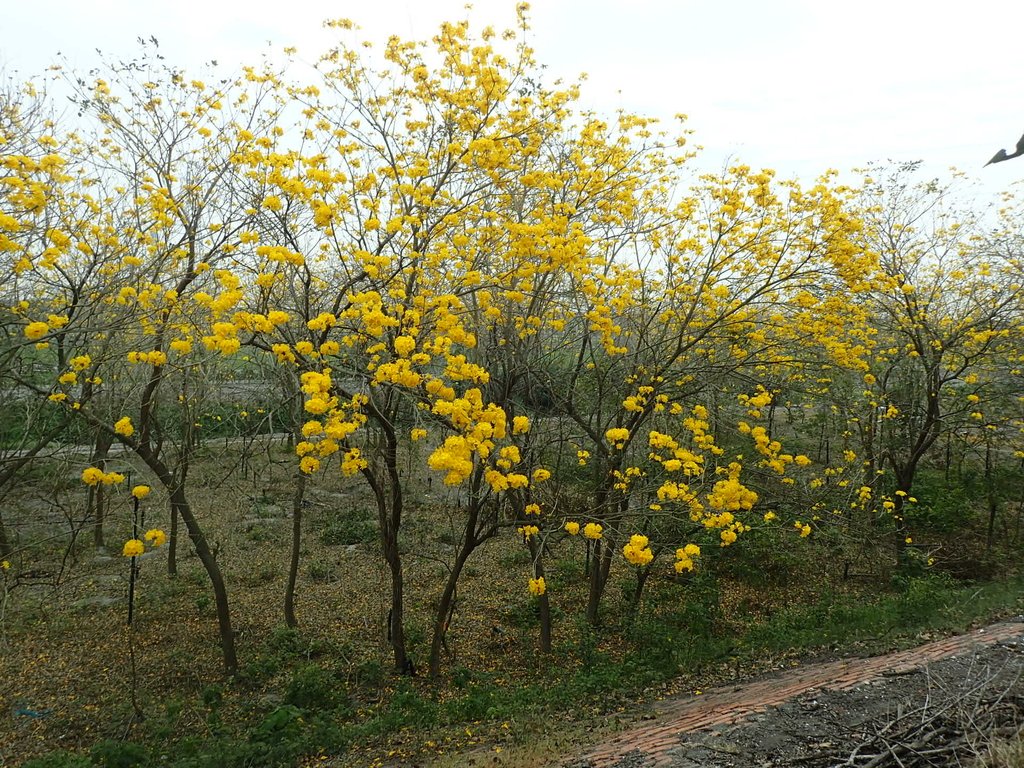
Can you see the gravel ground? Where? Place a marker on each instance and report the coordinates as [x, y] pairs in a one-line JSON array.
[[938, 715]]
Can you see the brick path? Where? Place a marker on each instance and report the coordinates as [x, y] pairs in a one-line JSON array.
[[730, 704]]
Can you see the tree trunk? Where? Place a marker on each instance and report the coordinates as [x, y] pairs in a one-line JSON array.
[[990, 492], [543, 602], [444, 609], [179, 502], [5, 543], [396, 626], [599, 570], [602, 558], [220, 594], [96, 503], [293, 564], [172, 544], [642, 575]]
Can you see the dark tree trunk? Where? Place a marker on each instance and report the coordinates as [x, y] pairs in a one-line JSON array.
[[220, 593], [172, 543], [543, 602], [445, 606], [5, 543], [396, 628], [990, 492], [642, 575], [601, 561], [96, 503], [179, 501], [293, 563]]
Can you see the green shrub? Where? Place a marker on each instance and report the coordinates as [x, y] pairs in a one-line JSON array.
[[119, 754], [347, 531], [321, 569], [408, 708], [314, 689], [370, 673], [59, 759]]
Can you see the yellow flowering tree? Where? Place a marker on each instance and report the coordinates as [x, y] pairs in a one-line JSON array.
[[945, 323], [134, 279], [713, 299], [382, 228]]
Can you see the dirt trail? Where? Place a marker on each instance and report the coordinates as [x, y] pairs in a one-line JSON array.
[[747, 724]]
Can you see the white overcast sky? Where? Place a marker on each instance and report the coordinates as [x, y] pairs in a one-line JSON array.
[[796, 85]]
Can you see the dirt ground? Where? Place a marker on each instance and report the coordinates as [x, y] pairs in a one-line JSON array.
[[940, 714]]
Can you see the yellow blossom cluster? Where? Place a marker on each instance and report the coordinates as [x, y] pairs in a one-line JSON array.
[[35, 331], [96, 476], [617, 437], [638, 550], [154, 357], [526, 531], [135, 547], [685, 557], [679, 459]]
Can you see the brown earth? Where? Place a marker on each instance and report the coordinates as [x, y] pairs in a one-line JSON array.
[[845, 712]]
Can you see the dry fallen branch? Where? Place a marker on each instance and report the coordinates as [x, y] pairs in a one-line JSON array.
[[957, 721]]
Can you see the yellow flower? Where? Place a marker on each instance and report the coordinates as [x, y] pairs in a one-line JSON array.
[[124, 427], [529, 530], [141, 491], [572, 527], [155, 537], [5, 565], [36, 330], [540, 475], [593, 530], [617, 436], [520, 424], [81, 362], [537, 586], [404, 345], [309, 464], [637, 551], [133, 548], [684, 564], [532, 509], [92, 475], [417, 434]]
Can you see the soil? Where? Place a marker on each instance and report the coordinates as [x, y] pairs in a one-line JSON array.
[[913, 708]]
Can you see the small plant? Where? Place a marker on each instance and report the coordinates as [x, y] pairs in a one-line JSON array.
[[321, 570], [370, 674], [59, 759], [315, 689], [347, 531], [119, 754]]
